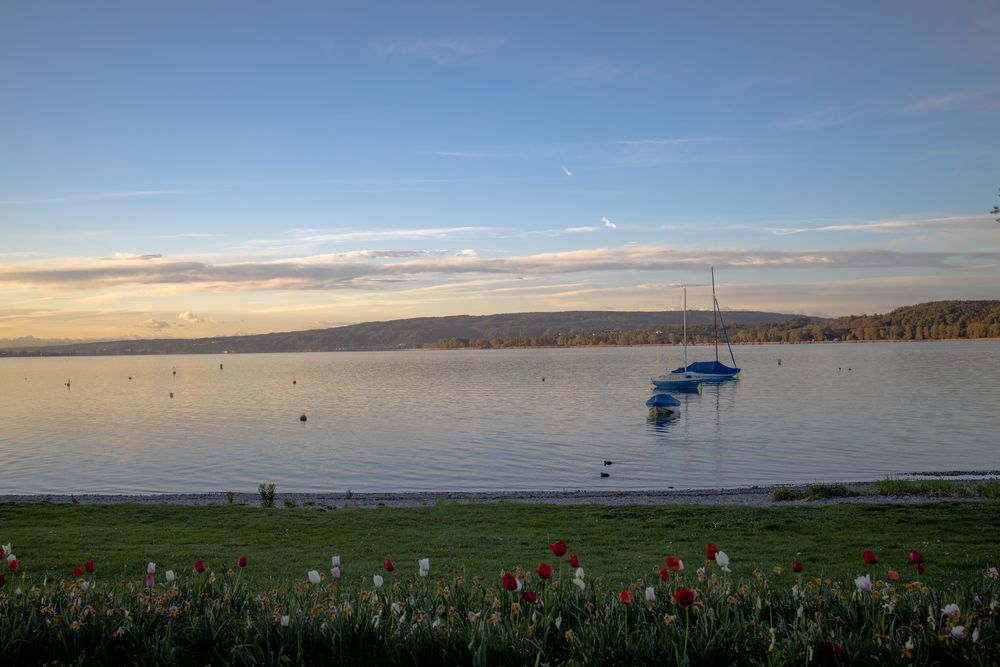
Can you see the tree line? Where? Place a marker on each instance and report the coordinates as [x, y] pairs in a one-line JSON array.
[[939, 320]]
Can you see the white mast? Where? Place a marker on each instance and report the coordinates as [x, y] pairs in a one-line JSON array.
[[685, 328]]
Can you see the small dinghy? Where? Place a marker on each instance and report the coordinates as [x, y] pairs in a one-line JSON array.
[[662, 406]]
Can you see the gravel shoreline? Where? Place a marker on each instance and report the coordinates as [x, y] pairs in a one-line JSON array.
[[754, 496]]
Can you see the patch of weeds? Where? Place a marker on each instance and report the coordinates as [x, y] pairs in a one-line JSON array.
[[990, 490], [934, 488], [783, 495], [812, 492], [309, 503], [267, 492], [230, 497], [349, 494], [290, 504]]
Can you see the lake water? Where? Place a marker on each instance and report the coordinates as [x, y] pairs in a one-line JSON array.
[[486, 420]]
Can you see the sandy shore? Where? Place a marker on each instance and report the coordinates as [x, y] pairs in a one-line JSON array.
[[755, 496]]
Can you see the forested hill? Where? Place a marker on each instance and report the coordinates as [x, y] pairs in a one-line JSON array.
[[927, 321], [520, 329]]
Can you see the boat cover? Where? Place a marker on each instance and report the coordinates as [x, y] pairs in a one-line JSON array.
[[662, 401], [711, 367]]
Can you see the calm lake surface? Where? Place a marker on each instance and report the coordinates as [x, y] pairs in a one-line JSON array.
[[485, 420]]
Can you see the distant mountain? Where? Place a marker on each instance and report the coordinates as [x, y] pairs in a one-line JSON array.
[[415, 332]]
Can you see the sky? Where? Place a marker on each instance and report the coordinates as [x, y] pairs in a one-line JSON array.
[[188, 169]]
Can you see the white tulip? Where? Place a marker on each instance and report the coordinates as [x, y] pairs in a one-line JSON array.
[[579, 573], [579, 584], [864, 583], [284, 621], [951, 609], [335, 572], [425, 566], [170, 575], [958, 632], [313, 577], [650, 594], [151, 568], [335, 561], [378, 581], [723, 560]]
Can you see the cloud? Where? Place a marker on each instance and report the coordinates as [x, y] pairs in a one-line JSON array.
[[190, 318], [154, 324], [132, 256], [332, 273], [566, 171], [442, 51], [948, 101], [100, 196], [812, 120], [608, 223], [887, 225], [580, 230]]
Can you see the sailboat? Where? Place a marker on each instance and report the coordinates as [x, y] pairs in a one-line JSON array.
[[713, 370], [681, 379]]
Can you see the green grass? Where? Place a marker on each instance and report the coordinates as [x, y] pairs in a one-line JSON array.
[[617, 543], [935, 488]]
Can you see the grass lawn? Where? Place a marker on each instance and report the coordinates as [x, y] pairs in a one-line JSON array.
[[621, 544]]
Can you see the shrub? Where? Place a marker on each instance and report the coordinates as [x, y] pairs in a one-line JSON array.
[[267, 492]]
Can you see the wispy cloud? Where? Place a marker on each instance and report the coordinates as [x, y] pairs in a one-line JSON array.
[[608, 223], [949, 101], [100, 196], [310, 273], [821, 118], [887, 225], [443, 51]]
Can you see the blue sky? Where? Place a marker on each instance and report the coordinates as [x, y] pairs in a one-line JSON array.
[[189, 169]]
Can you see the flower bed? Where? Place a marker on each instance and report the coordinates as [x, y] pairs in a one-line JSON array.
[[555, 613]]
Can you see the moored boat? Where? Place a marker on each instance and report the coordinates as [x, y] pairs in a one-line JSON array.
[[662, 406]]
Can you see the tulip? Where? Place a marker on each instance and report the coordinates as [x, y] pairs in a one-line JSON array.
[[84, 585], [579, 574], [284, 621], [664, 574], [674, 563], [11, 557], [700, 573], [992, 572], [579, 583], [544, 570], [170, 575], [151, 568], [12, 565], [77, 571], [797, 566], [650, 594], [6, 549], [916, 557], [89, 566], [313, 577], [335, 572], [893, 574], [710, 551], [574, 561], [387, 565], [869, 557], [150, 581], [723, 560], [558, 548], [335, 561], [920, 568], [425, 566], [199, 566], [951, 610], [519, 583], [529, 596], [958, 632], [242, 562], [625, 597], [377, 580], [864, 583], [684, 596], [508, 582]]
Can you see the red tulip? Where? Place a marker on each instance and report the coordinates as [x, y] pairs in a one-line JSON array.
[[508, 582], [916, 557], [797, 566], [574, 560], [12, 565], [870, 557], [529, 596], [89, 566], [674, 563], [625, 597], [2, 552], [920, 568], [893, 574], [199, 566], [710, 551], [558, 548], [388, 566], [684, 596], [544, 570], [242, 562], [78, 571], [664, 574]]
